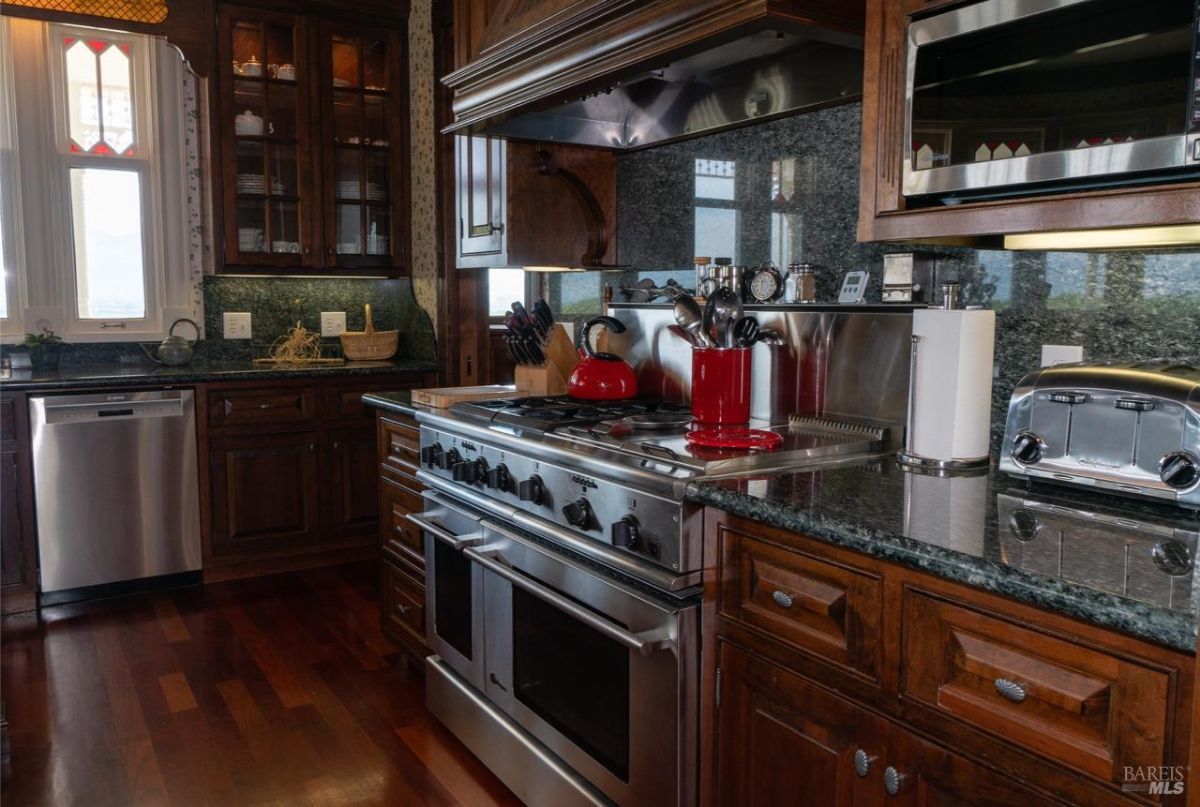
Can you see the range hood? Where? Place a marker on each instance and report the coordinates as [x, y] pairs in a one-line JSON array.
[[624, 75]]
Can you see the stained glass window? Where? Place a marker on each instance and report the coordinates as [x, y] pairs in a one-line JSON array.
[[99, 96]]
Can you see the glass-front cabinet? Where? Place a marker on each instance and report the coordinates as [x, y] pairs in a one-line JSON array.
[[312, 126]]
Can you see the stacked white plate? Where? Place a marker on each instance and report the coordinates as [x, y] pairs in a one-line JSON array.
[[256, 184], [350, 190]]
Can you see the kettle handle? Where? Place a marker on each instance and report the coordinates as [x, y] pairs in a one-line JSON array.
[[150, 355], [614, 325], [171, 330]]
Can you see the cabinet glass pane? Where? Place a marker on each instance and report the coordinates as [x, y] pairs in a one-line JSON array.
[[285, 227], [375, 120], [249, 177], [346, 168], [248, 105], [344, 53], [375, 64], [378, 232], [280, 48], [347, 117], [248, 48], [377, 176], [283, 170], [251, 226], [348, 223], [281, 122]]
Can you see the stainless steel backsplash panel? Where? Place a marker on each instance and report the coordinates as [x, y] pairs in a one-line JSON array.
[[836, 362]]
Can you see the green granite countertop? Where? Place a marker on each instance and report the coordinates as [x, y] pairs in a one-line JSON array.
[[1111, 561], [72, 377]]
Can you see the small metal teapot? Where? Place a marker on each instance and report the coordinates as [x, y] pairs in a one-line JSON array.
[[174, 350]]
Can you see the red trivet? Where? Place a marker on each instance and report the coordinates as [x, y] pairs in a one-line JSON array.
[[735, 438]]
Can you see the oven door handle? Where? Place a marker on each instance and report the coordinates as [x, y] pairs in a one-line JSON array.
[[459, 542], [643, 643]]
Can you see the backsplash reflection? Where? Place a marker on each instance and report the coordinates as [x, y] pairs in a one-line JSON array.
[[788, 191]]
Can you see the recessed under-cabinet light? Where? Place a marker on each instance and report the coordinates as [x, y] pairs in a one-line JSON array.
[[1174, 235]]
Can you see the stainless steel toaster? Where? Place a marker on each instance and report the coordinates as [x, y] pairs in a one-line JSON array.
[[1132, 428]]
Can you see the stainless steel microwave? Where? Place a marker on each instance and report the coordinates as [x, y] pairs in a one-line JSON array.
[[1009, 97]]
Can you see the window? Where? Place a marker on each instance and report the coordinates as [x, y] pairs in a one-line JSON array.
[[100, 129], [504, 287]]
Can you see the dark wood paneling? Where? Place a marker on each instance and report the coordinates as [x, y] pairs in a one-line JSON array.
[[353, 510], [252, 405], [402, 608], [264, 493], [18, 534], [397, 534]]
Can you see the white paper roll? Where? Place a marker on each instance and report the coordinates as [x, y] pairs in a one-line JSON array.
[[951, 395]]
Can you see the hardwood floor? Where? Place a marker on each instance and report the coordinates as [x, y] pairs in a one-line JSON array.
[[276, 690]]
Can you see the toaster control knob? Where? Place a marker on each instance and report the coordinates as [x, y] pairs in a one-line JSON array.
[[627, 533], [431, 454], [1179, 469], [448, 459], [578, 514], [497, 478], [531, 490], [1026, 448]]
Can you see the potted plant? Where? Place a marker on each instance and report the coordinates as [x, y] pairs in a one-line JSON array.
[[44, 349]]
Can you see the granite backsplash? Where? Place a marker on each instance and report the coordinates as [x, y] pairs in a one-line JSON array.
[[275, 304], [787, 191]]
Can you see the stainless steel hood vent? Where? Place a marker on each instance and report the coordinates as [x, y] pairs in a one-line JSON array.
[[625, 75], [767, 74]]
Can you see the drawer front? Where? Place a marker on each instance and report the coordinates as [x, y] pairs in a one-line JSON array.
[[397, 533], [1076, 704], [399, 445], [234, 407], [402, 607], [345, 401], [825, 609]]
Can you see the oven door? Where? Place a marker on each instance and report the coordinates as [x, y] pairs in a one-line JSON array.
[[1048, 94], [602, 673], [453, 585]]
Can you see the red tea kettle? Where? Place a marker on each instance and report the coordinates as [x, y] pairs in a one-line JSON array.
[[601, 376]]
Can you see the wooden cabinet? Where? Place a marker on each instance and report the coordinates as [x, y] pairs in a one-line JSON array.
[[18, 541], [814, 653], [352, 507], [884, 214], [264, 493], [480, 191], [312, 120]]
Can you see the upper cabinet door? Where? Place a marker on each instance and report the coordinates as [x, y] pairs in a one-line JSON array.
[[364, 113], [264, 129], [481, 187]]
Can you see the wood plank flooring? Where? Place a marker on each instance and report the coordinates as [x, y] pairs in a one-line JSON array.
[[277, 690]]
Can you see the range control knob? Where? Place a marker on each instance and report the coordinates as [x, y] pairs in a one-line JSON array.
[[627, 533], [465, 472], [1179, 469], [578, 514], [448, 459], [1026, 448], [531, 490], [431, 454], [481, 469], [498, 478]]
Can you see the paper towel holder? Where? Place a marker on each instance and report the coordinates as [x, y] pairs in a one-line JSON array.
[[907, 456]]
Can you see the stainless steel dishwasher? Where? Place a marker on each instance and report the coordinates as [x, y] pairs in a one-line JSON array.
[[115, 487]]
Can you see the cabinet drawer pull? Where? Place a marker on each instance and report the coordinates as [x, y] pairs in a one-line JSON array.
[[403, 609], [782, 599], [1009, 690], [893, 780], [862, 763]]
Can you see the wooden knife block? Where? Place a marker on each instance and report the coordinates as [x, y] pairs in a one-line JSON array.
[[551, 378]]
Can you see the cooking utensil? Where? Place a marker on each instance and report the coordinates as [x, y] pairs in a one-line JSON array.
[[689, 317], [745, 332], [601, 376], [724, 307], [684, 335]]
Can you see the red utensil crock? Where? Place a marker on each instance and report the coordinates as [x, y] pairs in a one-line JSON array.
[[721, 385]]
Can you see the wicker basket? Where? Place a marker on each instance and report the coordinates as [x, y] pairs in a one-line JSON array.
[[370, 345]]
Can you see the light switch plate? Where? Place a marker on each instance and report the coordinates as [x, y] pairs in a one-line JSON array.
[[236, 325], [1061, 354], [333, 323]]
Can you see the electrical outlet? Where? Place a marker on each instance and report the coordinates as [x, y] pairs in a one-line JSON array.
[[1061, 354], [333, 323], [236, 325]]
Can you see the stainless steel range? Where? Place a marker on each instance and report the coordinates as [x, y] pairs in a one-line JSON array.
[[564, 569]]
